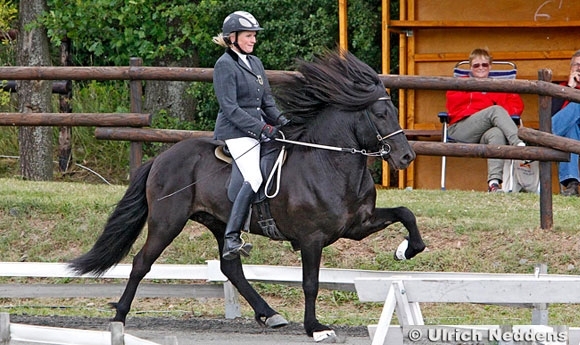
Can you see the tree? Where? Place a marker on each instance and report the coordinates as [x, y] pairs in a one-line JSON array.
[[34, 95], [178, 33]]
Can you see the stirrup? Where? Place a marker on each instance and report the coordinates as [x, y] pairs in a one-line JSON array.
[[244, 249]]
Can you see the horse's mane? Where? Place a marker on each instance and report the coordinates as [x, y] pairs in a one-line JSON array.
[[334, 78]]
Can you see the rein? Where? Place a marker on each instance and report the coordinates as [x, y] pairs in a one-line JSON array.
[[384, 151], [345, 149]]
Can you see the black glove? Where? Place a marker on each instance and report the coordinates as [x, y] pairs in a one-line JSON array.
[[283, 121], [270, 132]]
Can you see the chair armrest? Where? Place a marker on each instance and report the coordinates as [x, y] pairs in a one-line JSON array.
[[443, 117]]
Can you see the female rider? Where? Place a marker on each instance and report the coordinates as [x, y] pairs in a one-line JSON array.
[[247, 115]]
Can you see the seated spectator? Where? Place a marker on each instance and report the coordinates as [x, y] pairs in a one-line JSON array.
[[565, 123], [484, 117]]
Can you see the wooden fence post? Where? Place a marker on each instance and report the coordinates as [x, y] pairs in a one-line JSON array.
[[65, 132], [136, 155], [545, 109]]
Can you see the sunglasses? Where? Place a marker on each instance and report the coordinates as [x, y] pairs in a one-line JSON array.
[[477, 65]]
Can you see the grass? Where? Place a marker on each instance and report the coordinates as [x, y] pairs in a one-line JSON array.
[[464, 231]]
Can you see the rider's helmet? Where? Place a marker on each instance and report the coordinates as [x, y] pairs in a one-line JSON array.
[[240, 21]]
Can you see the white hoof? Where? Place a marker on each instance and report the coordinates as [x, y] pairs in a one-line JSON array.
[[325, 336], [401, 249]]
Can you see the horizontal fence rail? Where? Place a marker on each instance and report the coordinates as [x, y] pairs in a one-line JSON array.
[[206, 75], [75, 119], [148, 134], [429, 148]]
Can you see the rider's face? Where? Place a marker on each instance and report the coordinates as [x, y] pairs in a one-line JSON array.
[[246, 40]]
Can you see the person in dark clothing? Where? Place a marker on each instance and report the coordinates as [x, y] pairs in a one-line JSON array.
[[247, 116]]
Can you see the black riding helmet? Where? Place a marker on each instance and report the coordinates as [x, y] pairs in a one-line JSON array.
[[239, 21]]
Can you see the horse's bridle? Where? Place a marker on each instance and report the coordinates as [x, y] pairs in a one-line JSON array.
[[383, 152], [385, 148]]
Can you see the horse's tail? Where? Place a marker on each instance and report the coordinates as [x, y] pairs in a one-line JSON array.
[[121, 231]]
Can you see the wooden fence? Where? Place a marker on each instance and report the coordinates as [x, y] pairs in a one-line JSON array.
[[137, 73]]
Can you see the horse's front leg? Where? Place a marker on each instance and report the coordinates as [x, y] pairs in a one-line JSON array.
[[383, 217], [311, 256]]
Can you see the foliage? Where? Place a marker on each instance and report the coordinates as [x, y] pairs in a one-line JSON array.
[[152, 30], [8, 14], [160, 31]]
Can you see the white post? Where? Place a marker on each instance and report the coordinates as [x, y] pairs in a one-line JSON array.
[[170, 340], [117, 333], [4, 328], [540, 310], [232, 301], [386, 317]]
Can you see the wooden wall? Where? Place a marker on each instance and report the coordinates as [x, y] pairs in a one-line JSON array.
[[434, 35]]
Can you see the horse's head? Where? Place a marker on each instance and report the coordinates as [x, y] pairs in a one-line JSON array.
[[338, 83], [381, 132]]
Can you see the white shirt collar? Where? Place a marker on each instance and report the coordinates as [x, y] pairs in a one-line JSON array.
[[244, 58]]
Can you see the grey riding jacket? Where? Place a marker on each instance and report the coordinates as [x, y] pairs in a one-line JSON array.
[[244, 96]]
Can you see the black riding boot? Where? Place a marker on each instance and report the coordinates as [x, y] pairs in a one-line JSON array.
[[233, 244]]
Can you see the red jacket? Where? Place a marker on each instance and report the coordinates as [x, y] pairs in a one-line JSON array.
[[558, 103], [461, 104]]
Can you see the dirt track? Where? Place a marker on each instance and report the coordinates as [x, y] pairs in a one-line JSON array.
[[200, 330]]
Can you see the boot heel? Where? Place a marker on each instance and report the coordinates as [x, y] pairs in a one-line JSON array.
[[245, 249]]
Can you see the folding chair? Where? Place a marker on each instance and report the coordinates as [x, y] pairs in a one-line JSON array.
[[509, 71]]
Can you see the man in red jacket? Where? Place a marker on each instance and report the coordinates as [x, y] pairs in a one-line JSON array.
[[484, 117]]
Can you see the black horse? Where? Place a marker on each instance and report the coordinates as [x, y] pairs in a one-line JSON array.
[[326, 192]]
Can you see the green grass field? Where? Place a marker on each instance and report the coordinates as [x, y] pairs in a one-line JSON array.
[[464, 232]]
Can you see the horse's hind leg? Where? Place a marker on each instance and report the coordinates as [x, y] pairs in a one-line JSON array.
[[159, 236], [263, 313], [232, 269]]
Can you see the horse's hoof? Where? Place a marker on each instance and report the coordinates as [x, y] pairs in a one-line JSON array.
[[327, 337], [401, 249], [275, 321]]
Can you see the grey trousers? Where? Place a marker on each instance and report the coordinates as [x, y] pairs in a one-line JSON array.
[[491, 125]]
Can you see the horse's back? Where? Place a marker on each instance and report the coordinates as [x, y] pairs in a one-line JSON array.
[[186, 172]]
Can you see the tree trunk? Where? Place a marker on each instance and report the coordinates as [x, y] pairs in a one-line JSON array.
[[34, 95], [171, 96]]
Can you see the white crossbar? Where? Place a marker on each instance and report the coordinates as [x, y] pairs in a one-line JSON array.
[[403, 294], [509, 290]]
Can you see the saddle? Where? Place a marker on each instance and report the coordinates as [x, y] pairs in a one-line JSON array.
[[269, 153]]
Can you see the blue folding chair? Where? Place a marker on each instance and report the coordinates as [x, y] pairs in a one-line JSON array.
[[460, 70]]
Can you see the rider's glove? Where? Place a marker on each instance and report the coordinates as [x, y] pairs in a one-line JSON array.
[[270, 132]]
